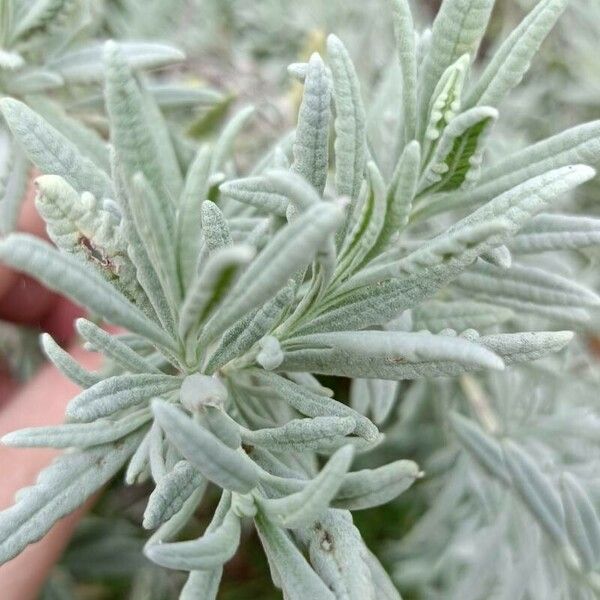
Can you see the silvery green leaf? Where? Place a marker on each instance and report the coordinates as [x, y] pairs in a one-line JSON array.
[[130, 130], [61, 272], [556, 232], [527, 346], [386, 355], [535, 490], [60, 489], [382, 584], [319, 434], [456, 161], [85, 65], [350, 121], [377, 396], [583, 523], [163, 139], [259, 192], [528, 285], [239, 338], [34, 81], [436, 315], [137, 469], [154, 222], [189, 222], [14, 173], [206, 553], [300, 195], [367, 228], [576, 145], [293, 573], [404, 34], [215, 229], [311, 146], [291, 248], [224, 145], [78, 435], [222, 425], [66, 364], [209, 289], [87, 140], [202, 584], [336, 549], [52, 152], [512, 60], [306, 506], [373, 487], [113, 348], [39, 15], [457, 30], [400, 196], [215, 460], [118, 392], [313, 404], [482, 447]]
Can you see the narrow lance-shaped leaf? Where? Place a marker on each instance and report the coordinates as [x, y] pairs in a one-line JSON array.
[[404, 34], [385, 355], [526, 346], [119, 392], [66, 364], [85, 64], [154, 224], [129, 128], [295, 575], [60, 489], [311, 147], [373, 487], [67, 275], [556, 232], [312, 404], [53, 153], [457, 30], [290, 249], [536, 491], [350, 121], [228, 468], [512, 60], [207, 552], [319, 434], [224, 145], [305, 507], [215, 229], [78, 435], [400, 195], [582, 520], [113, 348], [189, 223]]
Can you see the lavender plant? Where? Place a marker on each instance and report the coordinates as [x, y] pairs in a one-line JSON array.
[[236, 293]]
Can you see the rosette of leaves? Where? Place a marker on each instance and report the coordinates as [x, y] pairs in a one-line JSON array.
[[47, 46], [235, 293]]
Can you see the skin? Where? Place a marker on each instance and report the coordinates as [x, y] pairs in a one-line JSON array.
[[41, 401]]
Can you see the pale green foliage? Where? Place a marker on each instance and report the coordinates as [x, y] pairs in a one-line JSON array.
[[237, 291]]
